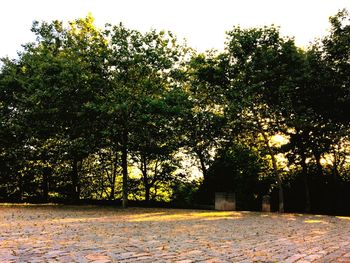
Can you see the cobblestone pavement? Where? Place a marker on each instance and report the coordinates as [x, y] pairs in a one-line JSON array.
[[93, 234]]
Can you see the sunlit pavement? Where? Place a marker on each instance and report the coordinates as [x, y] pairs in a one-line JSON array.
[[93, 234]]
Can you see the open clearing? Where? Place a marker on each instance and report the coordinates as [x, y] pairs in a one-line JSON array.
[[53, 233]]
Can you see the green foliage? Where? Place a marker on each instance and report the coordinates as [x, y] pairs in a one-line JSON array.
[[184, 193]]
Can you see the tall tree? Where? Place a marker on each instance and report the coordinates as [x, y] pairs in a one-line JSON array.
[[142, 70], [56, 77], [205, 125], [261, 64]]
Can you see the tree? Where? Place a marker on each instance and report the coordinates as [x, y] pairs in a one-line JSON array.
[[205, 124], [53, 82], [261, 64], [154, 148], [12, 133], [142, 70], [335, 50], [315, 109]]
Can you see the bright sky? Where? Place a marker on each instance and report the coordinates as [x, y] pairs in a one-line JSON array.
[[202, 22]]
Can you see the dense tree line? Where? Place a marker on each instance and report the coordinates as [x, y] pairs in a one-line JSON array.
[[115, 114]]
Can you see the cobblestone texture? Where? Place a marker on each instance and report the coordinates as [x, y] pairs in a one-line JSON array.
[[101, 235]]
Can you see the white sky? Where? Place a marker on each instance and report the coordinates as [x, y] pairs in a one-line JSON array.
[[202, 22]]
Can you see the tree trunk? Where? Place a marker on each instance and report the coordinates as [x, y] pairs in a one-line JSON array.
[[111, 196], [75, 180], [114, 175], [147, 193], [45, 184], [202, 162], [336, 186], [318, 163], [145, 179], [306, 184], [274, 164], [125, 169], [20, 187], [275, 170], [279, 183]]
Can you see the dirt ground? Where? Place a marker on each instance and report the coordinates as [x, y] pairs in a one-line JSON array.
[[54, 233]]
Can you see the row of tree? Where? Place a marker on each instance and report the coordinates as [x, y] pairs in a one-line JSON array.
[[114, 113]]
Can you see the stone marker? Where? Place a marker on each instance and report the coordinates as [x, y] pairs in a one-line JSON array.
[[266, 207], [225, 201]]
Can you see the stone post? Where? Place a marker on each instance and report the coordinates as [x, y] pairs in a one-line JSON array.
[[225, 201], [266, 207]]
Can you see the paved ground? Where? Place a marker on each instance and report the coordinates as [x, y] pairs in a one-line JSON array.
[[92, 234]]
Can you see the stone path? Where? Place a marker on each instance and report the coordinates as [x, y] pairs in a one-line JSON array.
[[92, 234]]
